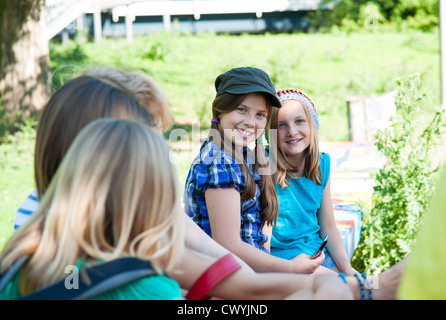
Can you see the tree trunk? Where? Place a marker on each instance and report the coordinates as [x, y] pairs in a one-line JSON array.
[[24, 56]]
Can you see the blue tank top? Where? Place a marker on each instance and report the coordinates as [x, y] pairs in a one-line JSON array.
[[297, 228]]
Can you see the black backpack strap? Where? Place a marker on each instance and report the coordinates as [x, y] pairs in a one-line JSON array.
[[10, 273], [103, 277]]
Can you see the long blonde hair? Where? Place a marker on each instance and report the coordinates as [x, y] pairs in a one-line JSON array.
[[284, 169], [141, 87], [114, 194]]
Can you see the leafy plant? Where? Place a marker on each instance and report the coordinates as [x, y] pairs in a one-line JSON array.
[[15, 123], [353, 15], [6, 122], [404, 186], [157, 51]]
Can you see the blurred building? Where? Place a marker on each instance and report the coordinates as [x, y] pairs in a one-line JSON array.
[[124, 18]]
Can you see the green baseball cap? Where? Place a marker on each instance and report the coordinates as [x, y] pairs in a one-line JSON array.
[[246, 80]]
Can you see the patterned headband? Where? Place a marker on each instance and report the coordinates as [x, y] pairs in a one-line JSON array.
[[296, 94]]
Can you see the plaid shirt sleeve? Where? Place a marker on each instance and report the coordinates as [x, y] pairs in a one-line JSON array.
[[220, 175], [218, 169], [213, 168]]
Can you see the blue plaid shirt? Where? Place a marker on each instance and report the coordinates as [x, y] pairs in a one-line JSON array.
[[217, 168]]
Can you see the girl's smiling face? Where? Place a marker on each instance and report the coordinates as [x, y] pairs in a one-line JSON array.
[[247, 122], [294, 129]]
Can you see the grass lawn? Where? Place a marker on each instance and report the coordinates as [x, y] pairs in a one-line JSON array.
[[329, 67], [16, 180]]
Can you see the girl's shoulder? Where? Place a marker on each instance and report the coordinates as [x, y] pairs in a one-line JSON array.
[[212, 154], [215, 167], [324, 159], [154, 287], [150, 287]]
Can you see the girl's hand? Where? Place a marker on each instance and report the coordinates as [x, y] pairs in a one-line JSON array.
[[303, 264]]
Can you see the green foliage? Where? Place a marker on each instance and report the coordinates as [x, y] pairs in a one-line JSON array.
[[156, 51], [404, 186], [352, 15], [6, 122], [329, 67], [16, 174], [11, 123], [65, 60]]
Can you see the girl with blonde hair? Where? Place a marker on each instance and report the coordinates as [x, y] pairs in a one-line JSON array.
[[115, 194], [142, 88], [303, 186]]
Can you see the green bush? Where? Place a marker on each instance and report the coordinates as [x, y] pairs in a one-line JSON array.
[[5, 123], [65, 59], [352, 15], [329, 67], [13, 123], [404, 186]]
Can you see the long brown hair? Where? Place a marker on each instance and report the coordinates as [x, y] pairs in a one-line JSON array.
[[269, 204], [311, 168], [72, 107]]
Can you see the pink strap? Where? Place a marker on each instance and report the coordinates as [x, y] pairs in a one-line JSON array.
[[221, 269]]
